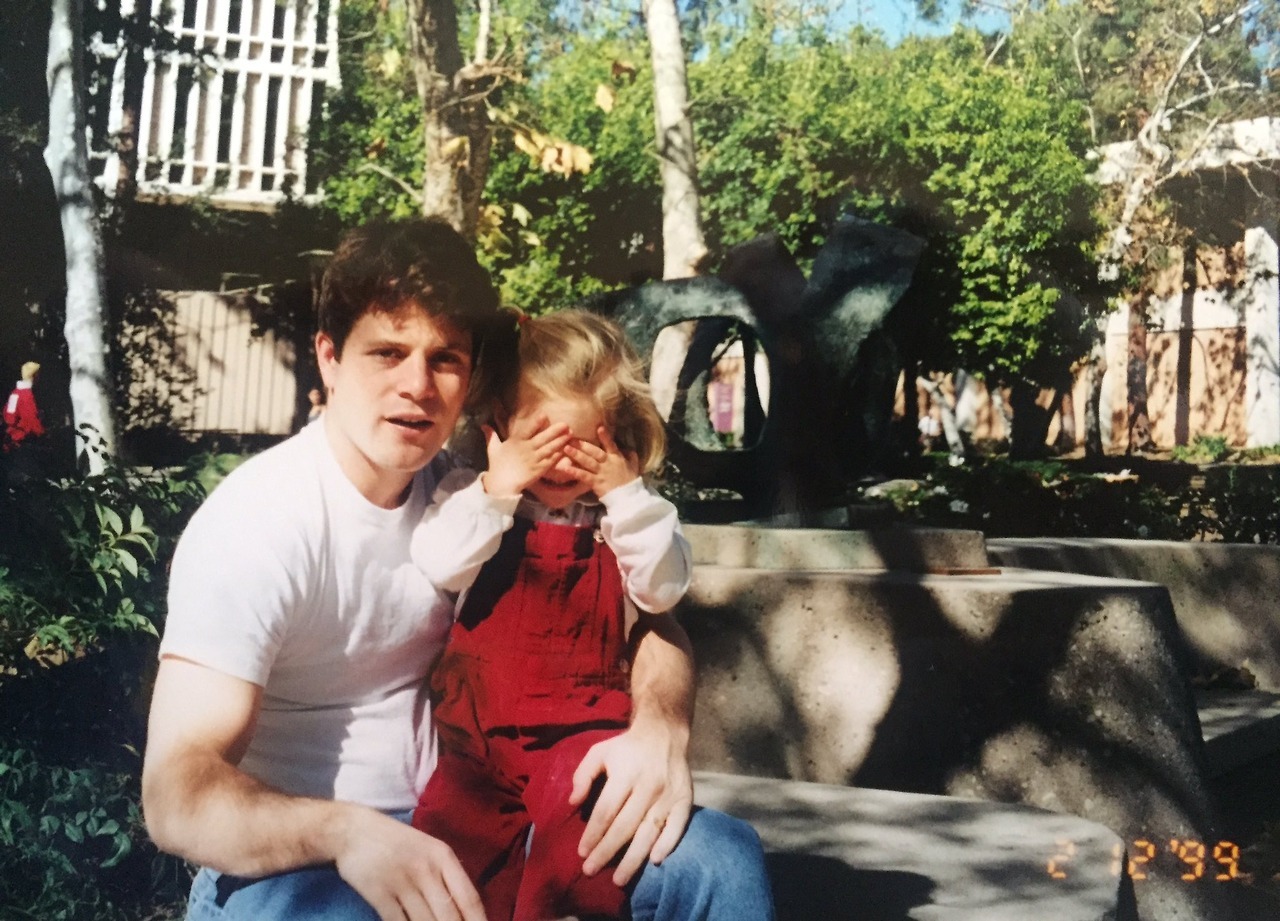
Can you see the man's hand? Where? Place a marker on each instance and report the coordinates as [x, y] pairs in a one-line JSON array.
[[531, 448], [603, 468], [404, 874], [646, 798], [201, 806]]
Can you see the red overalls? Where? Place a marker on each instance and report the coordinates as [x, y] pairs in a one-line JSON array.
[[534, 674]]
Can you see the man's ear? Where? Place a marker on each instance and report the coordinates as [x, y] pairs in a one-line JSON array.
[[326, 358]]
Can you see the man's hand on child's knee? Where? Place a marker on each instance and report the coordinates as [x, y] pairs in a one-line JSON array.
[[643, 807]]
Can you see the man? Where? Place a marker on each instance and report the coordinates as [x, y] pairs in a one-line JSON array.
[[289, 730]]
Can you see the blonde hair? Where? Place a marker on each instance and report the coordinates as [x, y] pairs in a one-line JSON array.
[[29, 370], [575, 353]]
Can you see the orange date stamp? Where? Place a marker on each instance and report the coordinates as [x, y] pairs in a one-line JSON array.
[[1185, 858]]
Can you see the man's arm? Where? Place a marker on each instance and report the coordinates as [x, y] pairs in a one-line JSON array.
[[200, 806], [648, 794]]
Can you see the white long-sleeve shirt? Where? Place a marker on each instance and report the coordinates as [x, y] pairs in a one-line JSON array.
[[640, 527]]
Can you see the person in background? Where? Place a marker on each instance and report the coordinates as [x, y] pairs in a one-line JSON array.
[[316, 397], [21, 415]]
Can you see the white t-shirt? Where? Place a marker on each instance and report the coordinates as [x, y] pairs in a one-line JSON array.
[[289, 578]]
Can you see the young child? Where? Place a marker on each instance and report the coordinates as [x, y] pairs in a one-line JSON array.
[[535, 670]]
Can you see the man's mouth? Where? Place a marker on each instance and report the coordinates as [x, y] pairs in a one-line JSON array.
[[417, 425]]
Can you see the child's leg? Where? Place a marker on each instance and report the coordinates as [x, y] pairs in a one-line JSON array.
[[553, 884], [485, 823]]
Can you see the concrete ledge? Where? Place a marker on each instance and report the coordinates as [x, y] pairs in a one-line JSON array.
[[1239, 727], [1223, 594], [1053, 690], [838, 853], [900, 549]]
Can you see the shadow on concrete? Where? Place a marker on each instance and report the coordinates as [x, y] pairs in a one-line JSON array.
[[1070, 698], [807, 887]]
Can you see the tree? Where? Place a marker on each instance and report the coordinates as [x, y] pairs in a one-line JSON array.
[[382, 151], [67, 158], [682, 244], [980, 160], [456, 131], [1162, 76]]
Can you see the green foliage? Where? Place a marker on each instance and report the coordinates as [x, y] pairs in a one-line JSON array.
[[70, 842], [1240, 504], [983, 162], [560, 238], [1036, 499], [1204, 449], [1123, 57], [1163, 500], [368, 149], [82, 561]]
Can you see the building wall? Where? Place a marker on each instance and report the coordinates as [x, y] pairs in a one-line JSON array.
[[223, 375], [1213, 354]]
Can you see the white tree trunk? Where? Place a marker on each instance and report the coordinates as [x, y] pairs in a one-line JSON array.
[[67, 157], [682, 244]]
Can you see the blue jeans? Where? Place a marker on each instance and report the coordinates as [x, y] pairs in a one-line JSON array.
[[716, 873]]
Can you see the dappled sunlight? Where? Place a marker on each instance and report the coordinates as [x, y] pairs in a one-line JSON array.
[[989, 859], [1052, 690]]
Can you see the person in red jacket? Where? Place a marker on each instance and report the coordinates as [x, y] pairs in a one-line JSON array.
[[21, 416]]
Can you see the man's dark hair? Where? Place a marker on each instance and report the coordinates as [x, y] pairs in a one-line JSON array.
[[384, 265]]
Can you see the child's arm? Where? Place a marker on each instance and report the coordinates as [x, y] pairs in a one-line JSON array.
[[640, 526], [468, 514], [460, 530], [643, 531]]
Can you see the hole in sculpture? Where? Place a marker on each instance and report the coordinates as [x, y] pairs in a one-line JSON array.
[[710, 380]]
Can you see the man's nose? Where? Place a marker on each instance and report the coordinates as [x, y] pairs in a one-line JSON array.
[[418, 381]]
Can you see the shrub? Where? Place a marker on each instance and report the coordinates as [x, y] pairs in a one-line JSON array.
[[82, 560], [1228, 502], [72, 845], [1039, 499], [1205, 449], [1239, 504]]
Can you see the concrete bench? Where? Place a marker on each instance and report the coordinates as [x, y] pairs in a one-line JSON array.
[[1223, 594], [838, 853], [1047, 689], [1223, 597]]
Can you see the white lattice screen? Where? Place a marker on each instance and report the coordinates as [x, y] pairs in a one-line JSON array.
[[231, 122]]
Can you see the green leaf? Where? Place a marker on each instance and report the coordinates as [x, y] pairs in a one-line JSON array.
[[123, 848], [112, 520], [127, 560]]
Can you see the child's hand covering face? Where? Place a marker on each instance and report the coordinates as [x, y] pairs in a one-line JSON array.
[[532, 447], [602, 466], [587, 459]]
